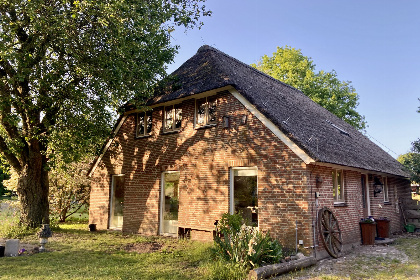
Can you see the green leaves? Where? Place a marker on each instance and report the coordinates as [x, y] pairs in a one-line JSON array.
[[411, 161], [245, 245], [290, 66], [66, 66]]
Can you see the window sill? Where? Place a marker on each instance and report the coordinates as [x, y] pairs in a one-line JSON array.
[[340, 204], [387, 203], [170, 131], [143, 136], [206, 126]]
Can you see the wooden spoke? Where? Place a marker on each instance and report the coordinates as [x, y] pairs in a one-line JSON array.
[[330, 232]]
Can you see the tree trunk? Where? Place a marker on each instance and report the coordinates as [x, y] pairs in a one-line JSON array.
[[33, 189]]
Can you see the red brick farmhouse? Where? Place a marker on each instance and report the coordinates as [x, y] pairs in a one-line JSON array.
[[224, 137]]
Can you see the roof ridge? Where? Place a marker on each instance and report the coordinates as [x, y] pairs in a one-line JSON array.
[[210, 48]]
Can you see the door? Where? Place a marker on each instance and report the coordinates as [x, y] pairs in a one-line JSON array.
[[365, 196], [169, 203], [116, 202], [244, 194]]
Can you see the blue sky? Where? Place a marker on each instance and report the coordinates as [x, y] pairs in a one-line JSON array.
[[374, 44]]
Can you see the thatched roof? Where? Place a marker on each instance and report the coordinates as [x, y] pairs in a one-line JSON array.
[[323, 136]]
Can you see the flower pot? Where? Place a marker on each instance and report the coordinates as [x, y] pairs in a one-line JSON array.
[[368, 231], [410, 228], [382, 227], [92, 227]]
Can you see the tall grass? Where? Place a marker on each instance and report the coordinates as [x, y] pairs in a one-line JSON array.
[[9, 217]]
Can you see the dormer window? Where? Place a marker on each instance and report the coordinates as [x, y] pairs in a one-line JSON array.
[[206, 111], [144, 124], [172, 118]]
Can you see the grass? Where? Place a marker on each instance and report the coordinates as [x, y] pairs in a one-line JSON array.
[[7, 198], [76, 253]]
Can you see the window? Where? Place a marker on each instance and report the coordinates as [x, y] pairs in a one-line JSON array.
[[386, 193], [244, 193], [144, 123], [172, 118], [116, 202], [206, 111], [338, 185], [170, 203]]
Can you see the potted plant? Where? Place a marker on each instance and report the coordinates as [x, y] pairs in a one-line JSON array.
[[368, 229]]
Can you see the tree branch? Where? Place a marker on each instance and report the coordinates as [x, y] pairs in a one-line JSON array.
[[11, 158]]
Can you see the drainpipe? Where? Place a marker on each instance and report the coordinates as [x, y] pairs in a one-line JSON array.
[[314, 222], [296, 237]]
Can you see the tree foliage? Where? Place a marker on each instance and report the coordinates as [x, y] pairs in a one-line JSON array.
[[3, 176], [69, 188], [290, 66], [411, 161], [65, 66]]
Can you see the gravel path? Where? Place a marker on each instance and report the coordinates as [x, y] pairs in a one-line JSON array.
[[359, 258]]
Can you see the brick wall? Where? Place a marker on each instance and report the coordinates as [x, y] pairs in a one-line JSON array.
[[286, 185], [203, 158], [350, 213]]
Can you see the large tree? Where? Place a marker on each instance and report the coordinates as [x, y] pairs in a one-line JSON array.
[[290, 66], [64, 66]]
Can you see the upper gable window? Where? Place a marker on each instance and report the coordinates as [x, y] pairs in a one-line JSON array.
[[172, 118], [338, 186], [206, 111], [144, 124]]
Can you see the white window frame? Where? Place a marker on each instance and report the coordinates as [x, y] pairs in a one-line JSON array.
[[145, 114], [207, 123], [111, 201], [231, 186], [173, 107], [386, 189], [367, 194], [162, 197], [337, 199]]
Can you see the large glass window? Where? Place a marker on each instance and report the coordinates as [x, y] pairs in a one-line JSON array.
[[244, 193], [206, 111], [144, 123], [170, 203], [338, 185], [172, 118], [117, 202]]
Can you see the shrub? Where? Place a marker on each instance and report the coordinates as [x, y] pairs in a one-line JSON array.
[[10, 226], [237, 242]]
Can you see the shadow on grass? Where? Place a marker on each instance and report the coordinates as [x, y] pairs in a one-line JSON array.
[[95, 265], [68, 261]]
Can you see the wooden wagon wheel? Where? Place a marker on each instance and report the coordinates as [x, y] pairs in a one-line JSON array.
[[330, 232]]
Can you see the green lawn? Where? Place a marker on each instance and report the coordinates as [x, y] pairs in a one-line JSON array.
[[76, 253]]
